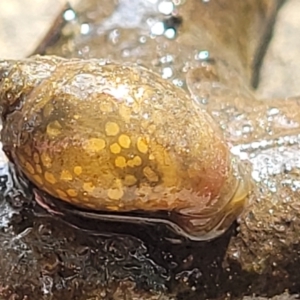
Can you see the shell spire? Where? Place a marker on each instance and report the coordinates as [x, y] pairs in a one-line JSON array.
[[19, 77]]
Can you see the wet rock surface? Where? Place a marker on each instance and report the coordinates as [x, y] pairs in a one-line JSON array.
[[46, 257], [279, 74]]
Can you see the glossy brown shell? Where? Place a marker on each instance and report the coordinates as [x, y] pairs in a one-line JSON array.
[[118, 138]]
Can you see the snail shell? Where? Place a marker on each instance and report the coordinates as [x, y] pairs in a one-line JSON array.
[[117, 138]]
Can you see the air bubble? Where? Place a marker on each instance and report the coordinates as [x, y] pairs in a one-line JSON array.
[[166, 59], [114, 36], [203, 55], [236, 255], [166, 7], [167, 72], [273, 112], [69, 15], [158, 28], [143, 39], [170, 33], [178, 82], [247, 128], [84, 28]]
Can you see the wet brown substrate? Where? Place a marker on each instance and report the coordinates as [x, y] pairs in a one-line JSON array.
[[43, 257]]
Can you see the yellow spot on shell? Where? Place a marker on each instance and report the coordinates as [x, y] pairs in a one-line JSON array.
[[150, 174], [111, 129], [72, 192], [88, 187], [53, 129], [142, 145], [66, 175], [46, 160], [38, 179], [94, 145], [77, 170], [124, 141], [135, 162], [29, 168], [115, 194], [151, 156], [120, 162], [36, 158], [27, 150], [38, 169], [61, 194], [50, 177], [115, 148], [130, 180]]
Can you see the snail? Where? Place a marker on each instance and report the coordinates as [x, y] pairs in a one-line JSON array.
[[122, 141]]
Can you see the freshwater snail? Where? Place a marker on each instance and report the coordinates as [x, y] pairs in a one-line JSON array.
[[59, 261], [119, 139]]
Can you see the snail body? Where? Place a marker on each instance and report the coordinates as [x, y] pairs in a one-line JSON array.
[[119, 139]]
